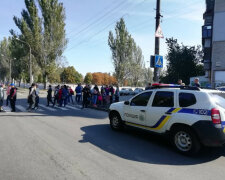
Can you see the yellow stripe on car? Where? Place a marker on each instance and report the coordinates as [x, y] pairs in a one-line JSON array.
[[176, 110], [146, 127], [163, 122]]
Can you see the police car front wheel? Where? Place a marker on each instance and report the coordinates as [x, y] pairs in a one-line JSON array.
[[185, 140], [115, 121]]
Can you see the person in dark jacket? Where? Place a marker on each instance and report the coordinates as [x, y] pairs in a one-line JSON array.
[[78, 91], [117, 94], [31, 96], [37, 90], [49, 96], [86, 95], [149, 86], [12, 96], [65, 95], [196, 83]]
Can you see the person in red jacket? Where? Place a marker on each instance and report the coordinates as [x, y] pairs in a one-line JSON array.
[[12, 96], [60, 96], [71, 93]]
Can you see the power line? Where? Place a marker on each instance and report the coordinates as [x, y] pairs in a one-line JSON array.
[[74, 38], [93, 35], [94, 16], [100, 18], [105, 27]]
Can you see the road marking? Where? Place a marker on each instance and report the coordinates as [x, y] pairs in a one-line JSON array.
[[46, 107], [40, 110], [63, 108], [74, 108], [7, 109], [21, 108]]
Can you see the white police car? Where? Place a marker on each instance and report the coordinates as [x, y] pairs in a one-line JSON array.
[[191, 116]]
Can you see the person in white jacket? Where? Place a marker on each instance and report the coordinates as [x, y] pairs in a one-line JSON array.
[[2, 94]]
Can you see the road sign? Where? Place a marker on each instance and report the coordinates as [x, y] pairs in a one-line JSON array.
[[159, 32], [158, 61]]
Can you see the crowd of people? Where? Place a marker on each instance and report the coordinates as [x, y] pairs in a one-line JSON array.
[[96, 96], [63, 95], [11, 92]]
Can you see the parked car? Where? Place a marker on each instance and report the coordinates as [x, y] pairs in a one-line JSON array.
[[126, 92], [138, 90], [222, 88]]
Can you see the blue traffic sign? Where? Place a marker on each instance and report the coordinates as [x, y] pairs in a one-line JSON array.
[[158, 61]]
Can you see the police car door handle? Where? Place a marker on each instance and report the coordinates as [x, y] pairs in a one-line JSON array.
[[142, 110], [168, 113]]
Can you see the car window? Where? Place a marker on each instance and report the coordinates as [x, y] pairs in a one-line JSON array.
[[218, 98], [163, 99], [187, 99], [141, 100]]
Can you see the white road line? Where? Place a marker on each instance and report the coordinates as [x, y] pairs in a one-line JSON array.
[[46, 107], [7, 109], [21, 108], [74, 108], [63, 108], [40, 110]]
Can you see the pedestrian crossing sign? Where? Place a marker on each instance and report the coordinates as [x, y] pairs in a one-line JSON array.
[[158, 61]]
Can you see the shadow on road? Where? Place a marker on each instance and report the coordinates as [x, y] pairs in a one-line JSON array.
[[143, 147]]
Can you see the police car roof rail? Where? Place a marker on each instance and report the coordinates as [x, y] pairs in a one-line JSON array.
[[177, 87]]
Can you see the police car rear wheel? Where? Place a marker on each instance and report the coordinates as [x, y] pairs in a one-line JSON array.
[[185, 141], [115, 121]]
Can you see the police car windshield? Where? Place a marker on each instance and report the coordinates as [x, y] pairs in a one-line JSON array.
[[219, 99]]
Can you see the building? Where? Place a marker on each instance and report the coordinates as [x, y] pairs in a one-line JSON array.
[[213, 40]]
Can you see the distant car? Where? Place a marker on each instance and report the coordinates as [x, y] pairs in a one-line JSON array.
[[138, 90], [126, 92], [222, 88]]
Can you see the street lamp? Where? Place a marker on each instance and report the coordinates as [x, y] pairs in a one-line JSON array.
[[10, 68], [30, 63]]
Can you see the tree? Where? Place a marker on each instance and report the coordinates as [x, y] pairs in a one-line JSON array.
[[127, 57], [5, 56], [45, 34], [70, 75], [97, 78], [54, 40], [120, 46], [148, 76], [30, 26], [88, 78], [183, 62], [137, 62]]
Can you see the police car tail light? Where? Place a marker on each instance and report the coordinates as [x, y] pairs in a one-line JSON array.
[[215, 114]]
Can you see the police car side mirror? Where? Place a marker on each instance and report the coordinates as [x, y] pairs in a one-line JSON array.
[[127, 103]]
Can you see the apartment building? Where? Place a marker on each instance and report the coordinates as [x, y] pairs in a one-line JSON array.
[[213, 40]]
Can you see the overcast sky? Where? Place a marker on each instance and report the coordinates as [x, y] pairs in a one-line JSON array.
[[89, 21]]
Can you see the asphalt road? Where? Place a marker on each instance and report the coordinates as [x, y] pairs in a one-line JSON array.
[[79, 144]]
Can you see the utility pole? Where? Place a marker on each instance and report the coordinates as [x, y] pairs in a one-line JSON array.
[[157, 39]]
